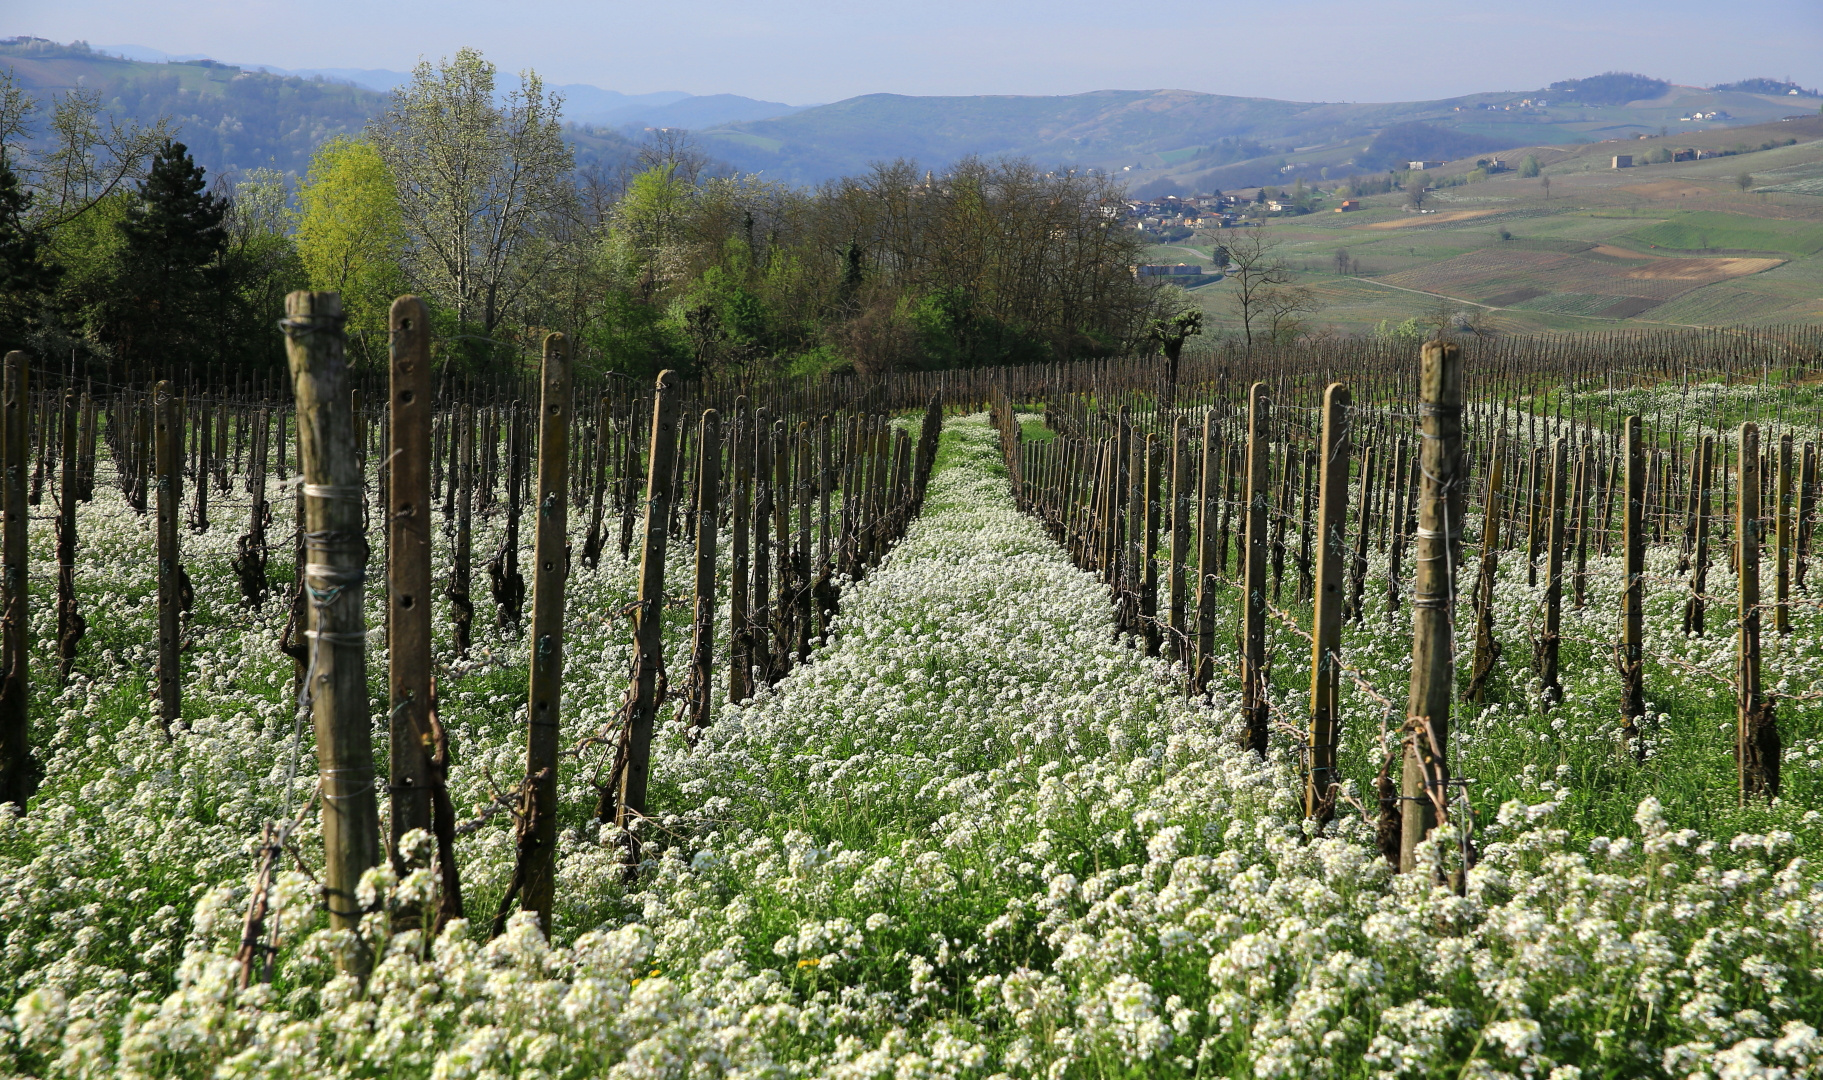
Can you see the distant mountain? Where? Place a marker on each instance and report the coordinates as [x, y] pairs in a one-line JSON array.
[[1171, 139]]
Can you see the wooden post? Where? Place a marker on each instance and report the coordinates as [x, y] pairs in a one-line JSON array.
[[1148, 555], [740, 639], [1326, 616], [462, 605], [1699, 559], [1781, 615], [71, 626], [708, 508], [19, 768], [335, 683], [648, 619], [1548, 651], [1357, 577], [1206, 581], [1807, 502], [1425, 777], [168, 463], [1632, 601], [1487, 647], [537, 823], [1756, 734], [1396, 523], [1255, 705], [1180, 538], [408, 539]]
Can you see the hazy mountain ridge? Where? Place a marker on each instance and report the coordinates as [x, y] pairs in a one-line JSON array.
[[248, 116]]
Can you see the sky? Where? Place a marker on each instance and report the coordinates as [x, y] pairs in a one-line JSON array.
[[813, 51]]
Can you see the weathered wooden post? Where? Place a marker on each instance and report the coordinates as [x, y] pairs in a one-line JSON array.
[[1487, 646], [1699, 559], [408, 537], [648, 619], [168, 463], [71, 626], [1147, 569], [1425, 777], [537, 823], [1326, 616], [1781, 615], [740, 638], [334, 575], [1208, 495], [708, 508], [1255, 704], [19, 768], [1631, 659], [1548, 644], [461, 602], [1757, 744], [1807, 503], [1180, 539]]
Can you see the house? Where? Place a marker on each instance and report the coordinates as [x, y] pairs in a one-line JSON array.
[[1623, 161], [1686, 154], [1421, 166], [1347, 205]]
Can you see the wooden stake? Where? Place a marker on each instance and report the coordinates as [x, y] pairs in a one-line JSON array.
[[1327, 599], [335, 683], [648, 621], [1633, 595], [1255, 706], [19, 768], [1757, 743], [1425, 777], [168, 454], [408, 609]]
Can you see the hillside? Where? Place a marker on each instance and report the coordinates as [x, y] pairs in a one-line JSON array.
[[1175, 136], [1678, 243], [230, 118]]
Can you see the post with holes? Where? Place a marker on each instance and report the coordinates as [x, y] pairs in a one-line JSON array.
[[461, 602], [408, 539], [1208, 496], [333, 575], [708, 507], [71, 626], [537, 824], [1254, 703], [19, 769], [1326, 618], [1424, 783], [1631, 659], [648, 619], [1756, 733], [168, 463]]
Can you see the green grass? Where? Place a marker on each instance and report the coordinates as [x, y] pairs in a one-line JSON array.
[[1707, 229]]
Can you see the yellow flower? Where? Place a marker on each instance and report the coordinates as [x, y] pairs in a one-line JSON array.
[[812, 962]]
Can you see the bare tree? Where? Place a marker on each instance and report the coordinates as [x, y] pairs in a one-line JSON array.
[[479, 183], [1257, 269], [85, 158], [1414, 191]]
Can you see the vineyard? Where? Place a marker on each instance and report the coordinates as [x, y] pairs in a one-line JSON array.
[[1338, 710]]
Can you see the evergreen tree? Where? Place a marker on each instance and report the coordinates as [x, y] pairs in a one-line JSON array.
[[27, 277], [167, 291]]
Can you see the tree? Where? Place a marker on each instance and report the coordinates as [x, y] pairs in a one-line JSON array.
[[1169, 335], [172, 240], [27, 276], [1345, 263], [1256, 268], [1414, 190], [1744, 181], [1545, 183], [1529, 167], [478, 184], [351, 234]]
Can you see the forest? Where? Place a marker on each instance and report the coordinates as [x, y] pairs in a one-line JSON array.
[[122, 255]]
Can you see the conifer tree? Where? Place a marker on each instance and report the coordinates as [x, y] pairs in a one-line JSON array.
[[171, 263]]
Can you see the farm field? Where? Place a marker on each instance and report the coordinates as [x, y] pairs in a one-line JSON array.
[[1690, 209], [993, 824]]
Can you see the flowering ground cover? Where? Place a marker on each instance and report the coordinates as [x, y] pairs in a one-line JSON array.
[[977, 836]]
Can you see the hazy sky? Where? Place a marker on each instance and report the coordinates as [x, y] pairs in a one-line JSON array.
[[824, 50]]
